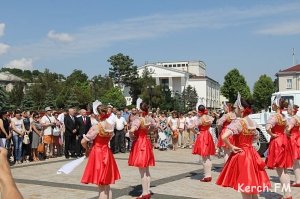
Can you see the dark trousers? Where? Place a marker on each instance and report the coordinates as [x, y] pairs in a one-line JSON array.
[[70, 143], [79, 148], [119, 141]]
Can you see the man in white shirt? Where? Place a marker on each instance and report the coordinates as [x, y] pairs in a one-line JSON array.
[[48, 123], [120, 127]]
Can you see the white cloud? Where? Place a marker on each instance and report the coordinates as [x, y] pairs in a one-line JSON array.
[[61, 37], [2, 28], [24, 64], [3, 48], [286, 28]]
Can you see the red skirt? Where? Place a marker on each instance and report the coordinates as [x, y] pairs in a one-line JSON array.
[[204, 144], [280, 153], [221, 142], [101, 168], [295, 142], [141, 154], [245, 172]]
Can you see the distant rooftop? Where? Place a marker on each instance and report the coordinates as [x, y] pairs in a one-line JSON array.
[[8, 77], [295, 68]]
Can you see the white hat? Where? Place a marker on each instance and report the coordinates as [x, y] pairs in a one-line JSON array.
[[238, 102], [95, 106], [48, 108]]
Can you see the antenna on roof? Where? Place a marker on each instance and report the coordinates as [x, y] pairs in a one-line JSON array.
[[294, 62]]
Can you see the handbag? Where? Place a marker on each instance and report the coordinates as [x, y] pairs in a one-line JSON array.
[[26, 139], [56, 131], [40, 148]]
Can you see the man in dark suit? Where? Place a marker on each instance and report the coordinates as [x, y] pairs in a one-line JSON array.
[[84, 125], [71, 132]]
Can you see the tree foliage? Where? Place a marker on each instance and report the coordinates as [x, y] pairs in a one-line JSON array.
[[16, 95], [190, 98], [4, 106], [234, 82], [115, 97], [122, 69], [262, 92]]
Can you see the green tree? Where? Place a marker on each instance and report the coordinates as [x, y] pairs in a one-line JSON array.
[[234, 82], [16, 95], [27, 102], [4, 105], [100, 85], [50, 99], [190, 98], [143, 86], [262, 92], [115, 97], [122, 69], [168, 102], [71, 100]]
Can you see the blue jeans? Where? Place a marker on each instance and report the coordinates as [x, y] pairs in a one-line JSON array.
[[18, 141]]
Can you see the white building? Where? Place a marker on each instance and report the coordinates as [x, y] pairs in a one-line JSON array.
[[8, 80], [178, 75], [289, 79]]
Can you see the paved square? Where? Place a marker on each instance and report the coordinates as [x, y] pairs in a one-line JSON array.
[[175, 176]]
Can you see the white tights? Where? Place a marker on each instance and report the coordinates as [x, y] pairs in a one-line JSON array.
[[105, 192], [226, 154], [207, 166], [285, 181], [146, 179], [296, 168], [249, 196]]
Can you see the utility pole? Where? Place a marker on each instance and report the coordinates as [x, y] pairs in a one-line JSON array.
[[294, 61]]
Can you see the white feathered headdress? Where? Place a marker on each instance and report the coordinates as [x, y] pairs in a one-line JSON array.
[[138, 103], [276, 100], [238, 102], [95, 105]]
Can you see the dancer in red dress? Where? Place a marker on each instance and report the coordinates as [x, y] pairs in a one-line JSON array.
[[101, 168], [141, 154], [204, 145], [294, 132], [244, 170], [222, 124], [280, 150]]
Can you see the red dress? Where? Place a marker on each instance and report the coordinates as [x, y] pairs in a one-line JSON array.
[[295, 139], [204, 144], [141, 154], [244, 169], [224, 121], [101, 168], [280, 149]]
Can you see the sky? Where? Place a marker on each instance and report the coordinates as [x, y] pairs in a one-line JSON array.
[[257, 37]]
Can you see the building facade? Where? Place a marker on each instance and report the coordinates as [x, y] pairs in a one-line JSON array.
[[289, 79], [8, 80], [178, 75]]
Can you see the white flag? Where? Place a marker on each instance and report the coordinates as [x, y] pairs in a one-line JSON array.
[[70, 166]]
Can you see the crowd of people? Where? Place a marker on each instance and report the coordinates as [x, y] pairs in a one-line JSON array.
[[34, 136]]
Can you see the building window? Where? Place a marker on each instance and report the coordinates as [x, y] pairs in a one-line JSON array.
[[170, 65], [165, 65], [289, 83], [174, 65], [178, 65], [183, 65]]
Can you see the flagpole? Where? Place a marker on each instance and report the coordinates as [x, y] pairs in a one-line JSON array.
[[294, 62]]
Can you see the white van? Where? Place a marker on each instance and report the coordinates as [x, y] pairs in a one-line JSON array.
[[292, 96]]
